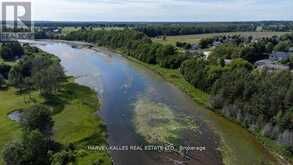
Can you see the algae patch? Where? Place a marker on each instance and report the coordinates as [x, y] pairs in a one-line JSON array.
[[157, 123]]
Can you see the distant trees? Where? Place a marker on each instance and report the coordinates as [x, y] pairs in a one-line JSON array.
[[225, 51], [11, 50], [194, 28], [205, 42], [132, 43], [282, 46], [183, 45]]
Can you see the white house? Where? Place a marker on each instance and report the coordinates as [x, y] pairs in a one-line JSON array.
[[270, 65], [279, 56]]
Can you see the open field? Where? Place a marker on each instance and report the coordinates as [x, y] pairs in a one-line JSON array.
[[196, 38], [69, 29]]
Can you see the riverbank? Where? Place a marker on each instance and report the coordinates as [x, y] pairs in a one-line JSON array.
[[75, 119], [200, 97], [76, 123], [238, 146]]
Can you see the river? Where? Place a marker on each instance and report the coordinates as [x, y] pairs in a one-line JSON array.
[[140, 108]]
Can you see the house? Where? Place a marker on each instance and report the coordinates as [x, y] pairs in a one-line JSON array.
[[194, 47], [227, 61], [56, 30], [291, 49], [263, 62], [217, 43], [270, 65], [279, 56]]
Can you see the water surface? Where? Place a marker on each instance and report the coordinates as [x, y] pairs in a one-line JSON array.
[[122, 84]]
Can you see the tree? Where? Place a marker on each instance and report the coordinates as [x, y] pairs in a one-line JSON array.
[[2, 81], [63, 158], [6, 53], [205, 42], [11, 50], [4, 70], [32, 150], [14, 153], [15, 77], [226, 51], [47, 79], [37, 118], [253, 53], [282, 46]]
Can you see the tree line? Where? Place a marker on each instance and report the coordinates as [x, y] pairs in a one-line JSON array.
[[259, 100], [154, 30], [132, 43]]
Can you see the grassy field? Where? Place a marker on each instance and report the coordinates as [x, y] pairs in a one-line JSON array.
[[75, 119], [69, 29], [196, 38]]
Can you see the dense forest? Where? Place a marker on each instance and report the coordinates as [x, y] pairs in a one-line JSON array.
[[260, 100], [43, 29], [177, 29], [132, 43], [216, 27]]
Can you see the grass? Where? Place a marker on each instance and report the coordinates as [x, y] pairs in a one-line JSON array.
[[75, 119], [9, 102], [11, 63], [196, 38], [69, 29]]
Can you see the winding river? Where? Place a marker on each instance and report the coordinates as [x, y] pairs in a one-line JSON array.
[[127, 90]]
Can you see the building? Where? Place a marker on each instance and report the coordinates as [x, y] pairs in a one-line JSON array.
[[279, 56], [194, 47], [291, 49], [217, 43], [227, 61], [270, 65]]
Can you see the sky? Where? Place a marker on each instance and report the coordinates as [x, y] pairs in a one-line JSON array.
[[161, 10]]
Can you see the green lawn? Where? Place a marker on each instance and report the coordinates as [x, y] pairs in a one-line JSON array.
[[75, 119], [196, 38], [9, 102], [69, 29]]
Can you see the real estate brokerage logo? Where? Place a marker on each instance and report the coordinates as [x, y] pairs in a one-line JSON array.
[[16, 23]]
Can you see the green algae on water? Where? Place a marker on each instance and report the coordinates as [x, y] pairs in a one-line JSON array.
[[157, 123]]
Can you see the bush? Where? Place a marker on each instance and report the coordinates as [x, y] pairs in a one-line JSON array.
[[37, 118]]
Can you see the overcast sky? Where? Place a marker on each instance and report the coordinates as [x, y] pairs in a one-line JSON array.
[[162, 10]]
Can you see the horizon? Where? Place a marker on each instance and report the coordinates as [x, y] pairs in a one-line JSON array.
[[161, 10]]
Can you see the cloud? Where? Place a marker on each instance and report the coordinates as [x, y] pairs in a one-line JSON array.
[[162, 10]]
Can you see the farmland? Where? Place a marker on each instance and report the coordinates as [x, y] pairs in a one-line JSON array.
[[196, 38]]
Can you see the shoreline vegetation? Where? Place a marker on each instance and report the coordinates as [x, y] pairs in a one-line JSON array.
[[72, 125], [200, 97]]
